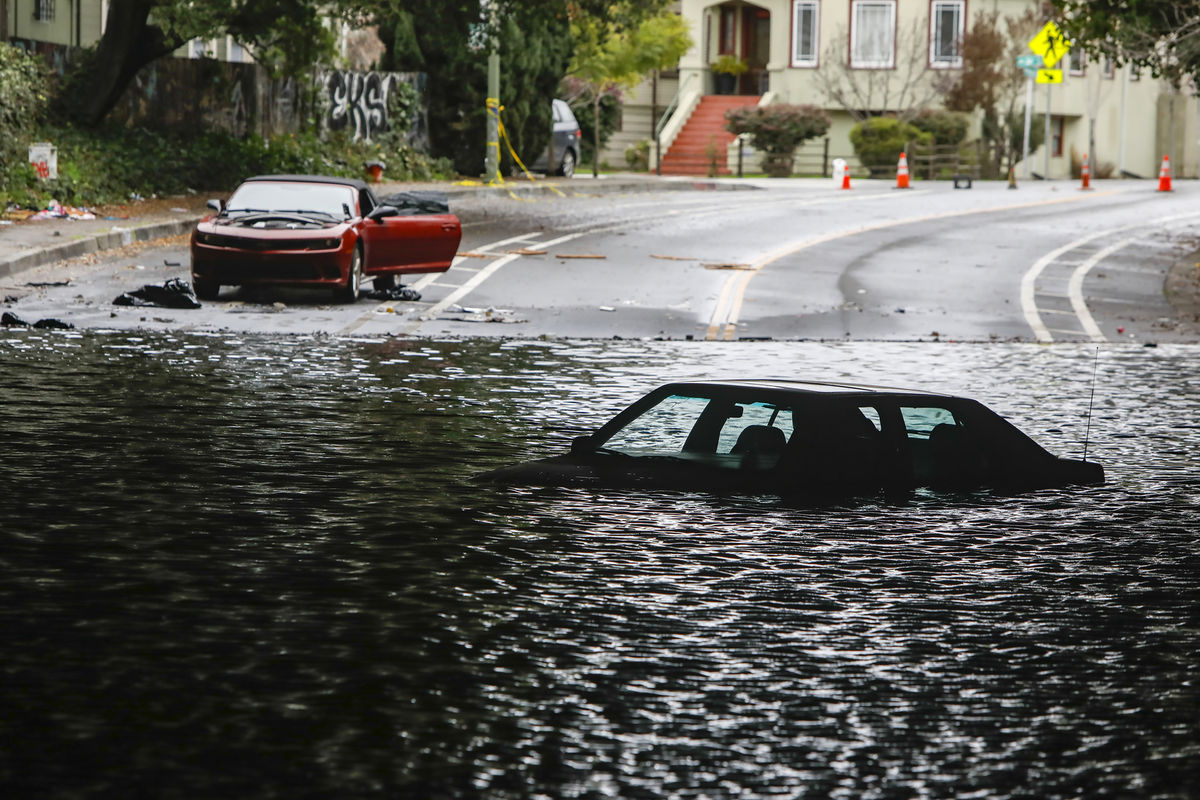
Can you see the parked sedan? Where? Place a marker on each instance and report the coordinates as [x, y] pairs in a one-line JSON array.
[[562, 154], [789, 437], [319, 231]]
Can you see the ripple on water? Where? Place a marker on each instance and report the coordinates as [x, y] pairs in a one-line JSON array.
[[258, 566]]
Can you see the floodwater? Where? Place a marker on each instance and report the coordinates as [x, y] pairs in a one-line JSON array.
[[259, 567]]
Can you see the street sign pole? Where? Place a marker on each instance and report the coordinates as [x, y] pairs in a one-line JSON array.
[[1046, 144], [1028, 123]]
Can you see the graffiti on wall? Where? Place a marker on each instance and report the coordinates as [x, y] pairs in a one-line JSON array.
[[358, 101]]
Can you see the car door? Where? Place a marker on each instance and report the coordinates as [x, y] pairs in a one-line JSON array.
[[411, 243]]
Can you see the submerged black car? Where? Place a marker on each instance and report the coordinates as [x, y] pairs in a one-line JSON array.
[[790, 437]]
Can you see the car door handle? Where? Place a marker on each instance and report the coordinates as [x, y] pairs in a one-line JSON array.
[[448, 226]]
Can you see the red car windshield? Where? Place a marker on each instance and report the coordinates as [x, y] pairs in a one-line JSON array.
[[289, 196]]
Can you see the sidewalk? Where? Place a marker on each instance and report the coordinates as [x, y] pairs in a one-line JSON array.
[[26, 245]]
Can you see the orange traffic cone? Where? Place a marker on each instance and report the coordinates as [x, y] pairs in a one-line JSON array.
[[1085, 172], [846, 178], [902, 172], [1164, 176]]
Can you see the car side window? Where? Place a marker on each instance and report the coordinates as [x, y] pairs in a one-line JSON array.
[[660, 430], [919, 421], [763, 415]]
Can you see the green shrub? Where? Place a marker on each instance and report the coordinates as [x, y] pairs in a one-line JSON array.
[[777, 129], [948, 128], [109, 164], [22, 105], [879, 141]]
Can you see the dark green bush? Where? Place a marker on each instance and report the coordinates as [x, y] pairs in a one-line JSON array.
[[108, 165], [948, 128], [777, 129], [22, 105], [879, 141]]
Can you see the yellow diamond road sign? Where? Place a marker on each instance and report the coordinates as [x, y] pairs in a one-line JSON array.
[[1049, 76], [1050, 44]]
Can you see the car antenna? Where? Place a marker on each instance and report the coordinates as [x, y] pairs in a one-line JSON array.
[[1088, 429]]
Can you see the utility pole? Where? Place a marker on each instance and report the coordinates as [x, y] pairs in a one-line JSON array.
[[492, 156], [1028, 118]]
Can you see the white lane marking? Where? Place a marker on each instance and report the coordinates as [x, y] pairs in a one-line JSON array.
[[1029, 280], [725, 316], [483, 275], [1075, 288], [429, 278]]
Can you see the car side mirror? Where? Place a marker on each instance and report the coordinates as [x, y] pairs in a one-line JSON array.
[[582, 444], [216, 205], [379, 212]]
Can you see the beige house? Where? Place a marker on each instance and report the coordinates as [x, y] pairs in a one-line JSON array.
[[891, 56]]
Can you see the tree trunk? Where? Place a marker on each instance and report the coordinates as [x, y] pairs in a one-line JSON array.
[[128, 44]]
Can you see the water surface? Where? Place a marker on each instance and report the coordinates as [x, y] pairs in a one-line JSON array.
[[259, 567]]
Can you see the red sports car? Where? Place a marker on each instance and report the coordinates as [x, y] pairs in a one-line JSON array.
[[318, 231]]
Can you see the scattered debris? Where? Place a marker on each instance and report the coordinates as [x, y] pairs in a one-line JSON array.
[[395, 293], [727, 266], [9, 320], [525, 251], [459, 313], [44, 284], [474, 255], [673, 258], [579, 255], [11, 298], [53, 324], [175, 293], [606, 308], [278, 306], [169, 262]]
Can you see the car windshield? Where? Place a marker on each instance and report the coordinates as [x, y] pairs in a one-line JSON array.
[[292, 197]]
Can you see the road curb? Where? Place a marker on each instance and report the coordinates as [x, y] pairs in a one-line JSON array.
[[107, 240]]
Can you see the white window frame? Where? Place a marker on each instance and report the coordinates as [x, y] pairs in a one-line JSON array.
[[1081, 68], [43, 11], [889, 60], [941, 60], [798, 58]]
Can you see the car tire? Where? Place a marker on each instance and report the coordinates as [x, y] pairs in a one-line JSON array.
[[385, 282], [349, 292], [567, 168], [205, 290]]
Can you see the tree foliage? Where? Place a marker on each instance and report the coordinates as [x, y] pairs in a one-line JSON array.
[[449, 40], [290, 37], [1160, 35], [614, 52]]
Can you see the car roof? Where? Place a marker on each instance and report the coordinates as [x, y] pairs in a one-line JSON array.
[[806, 387], [351, 182]]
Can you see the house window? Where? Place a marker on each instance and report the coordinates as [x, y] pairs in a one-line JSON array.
[[1109, 68], [1056, 136], [43, 11], [1077, 62], [804, 33], [1135, 72], [946, 32], [872, 34]]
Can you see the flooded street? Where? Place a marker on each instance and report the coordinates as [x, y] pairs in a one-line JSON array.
[[258, 566]]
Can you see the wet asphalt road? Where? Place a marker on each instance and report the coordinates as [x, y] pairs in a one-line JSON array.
[[777, 260]]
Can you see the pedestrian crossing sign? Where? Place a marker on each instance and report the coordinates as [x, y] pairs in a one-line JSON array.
[[1050, 43]]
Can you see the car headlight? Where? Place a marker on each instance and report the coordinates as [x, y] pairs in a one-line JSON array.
[[330, 244], [207, 238]]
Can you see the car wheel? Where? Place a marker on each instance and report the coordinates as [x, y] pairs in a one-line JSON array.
[[205, 290], [385, 282], [349, 292], [568, 164]]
